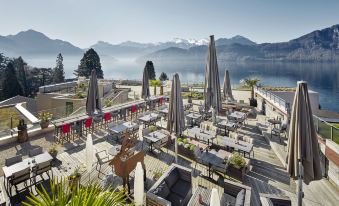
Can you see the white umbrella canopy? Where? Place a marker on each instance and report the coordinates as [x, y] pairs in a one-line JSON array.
[[139, 185], [212, 91], [89, 152], [176, 118], [215, 200], [303, 149]]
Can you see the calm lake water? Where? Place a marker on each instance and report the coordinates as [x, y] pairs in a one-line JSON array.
[[321, 77]]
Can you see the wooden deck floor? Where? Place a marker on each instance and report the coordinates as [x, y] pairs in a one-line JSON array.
[[267, 174]]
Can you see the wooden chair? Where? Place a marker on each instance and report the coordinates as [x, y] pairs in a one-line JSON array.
[[19, 177]]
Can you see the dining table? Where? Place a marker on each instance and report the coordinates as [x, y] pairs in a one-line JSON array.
[[154, 137]]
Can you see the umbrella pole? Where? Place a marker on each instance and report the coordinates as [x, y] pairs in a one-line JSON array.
[[175, 147], [300, 192]]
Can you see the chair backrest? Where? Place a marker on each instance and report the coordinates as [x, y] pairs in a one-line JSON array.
[[197, 152], [43, 167], [145, 131], [12, 160], [21, 176], [35, 152]]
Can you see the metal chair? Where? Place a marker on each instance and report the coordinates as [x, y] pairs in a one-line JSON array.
[[18, 177], [102, 158]]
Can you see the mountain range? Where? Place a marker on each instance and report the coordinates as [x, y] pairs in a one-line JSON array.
[[319, 45]]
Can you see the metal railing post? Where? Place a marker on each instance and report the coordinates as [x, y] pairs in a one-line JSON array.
[[332, 133]]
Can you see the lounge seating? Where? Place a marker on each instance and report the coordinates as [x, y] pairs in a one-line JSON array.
[[274, 200], [174, 187], [241, 192], [35, 152], [12, 160], [102, 158]]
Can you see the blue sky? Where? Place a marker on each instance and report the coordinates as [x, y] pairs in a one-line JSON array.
[[85, 22]]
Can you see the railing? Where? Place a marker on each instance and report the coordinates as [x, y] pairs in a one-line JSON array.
[[326, 130], [275, 99]]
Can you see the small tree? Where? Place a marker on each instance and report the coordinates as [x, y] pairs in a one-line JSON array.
[[10, 84], [89, 61], [155, 84], [20, 65], [250, 83], [58, 71], [150, 68], [163, 76]]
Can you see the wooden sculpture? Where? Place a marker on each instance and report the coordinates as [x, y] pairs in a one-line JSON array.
[[126, 160]]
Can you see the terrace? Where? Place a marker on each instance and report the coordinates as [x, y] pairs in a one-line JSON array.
[[266, 172]]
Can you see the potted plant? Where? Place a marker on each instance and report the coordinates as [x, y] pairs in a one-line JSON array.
[[251, 83], [53, 151], [45, 118], [237, 166], [74, 178], [186, 149]]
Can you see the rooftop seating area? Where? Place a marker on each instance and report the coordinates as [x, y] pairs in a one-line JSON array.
[[206, 153]]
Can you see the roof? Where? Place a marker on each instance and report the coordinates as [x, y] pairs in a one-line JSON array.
[[31, 104]]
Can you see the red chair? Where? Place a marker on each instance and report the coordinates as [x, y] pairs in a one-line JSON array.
[[107, 118], [88, 124], [65, 130]]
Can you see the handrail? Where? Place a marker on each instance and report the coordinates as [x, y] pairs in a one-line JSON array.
[[327, 131], [273, 97]]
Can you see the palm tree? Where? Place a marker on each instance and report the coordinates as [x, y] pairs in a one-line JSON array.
[[61, 194], [155, 84], [251, 83]]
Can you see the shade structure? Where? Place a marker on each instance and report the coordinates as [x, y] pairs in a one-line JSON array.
[[145, 93], [212, 91], [176, 117], [89, 152], [139, 185], [93, 101], [303, 150], [215, 200], [227, 90]]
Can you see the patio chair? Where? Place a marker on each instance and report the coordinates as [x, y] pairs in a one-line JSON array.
[[39, 169], [174, 187], [102, 158], [12, 160], [240, 192], [278, 131], [18, 177], [35, 152], [274, 200]]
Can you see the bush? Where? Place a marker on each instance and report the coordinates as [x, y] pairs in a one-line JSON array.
[[192, 147], [195, 95], [237, 161], [185, 141]]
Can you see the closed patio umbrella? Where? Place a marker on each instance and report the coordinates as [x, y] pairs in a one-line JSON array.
[[227, 87], [212, 91], [303, 149], [93, 101], [145, 93], [176, 117], [215, 200], [139, 185]]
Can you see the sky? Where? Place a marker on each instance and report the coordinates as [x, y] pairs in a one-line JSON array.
[[85, 22]]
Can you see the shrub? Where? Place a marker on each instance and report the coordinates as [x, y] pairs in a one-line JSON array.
[[237, 161], [185, 141]]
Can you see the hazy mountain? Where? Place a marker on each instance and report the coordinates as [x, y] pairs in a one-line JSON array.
[[130, 48], [33, 43], [320, 45]]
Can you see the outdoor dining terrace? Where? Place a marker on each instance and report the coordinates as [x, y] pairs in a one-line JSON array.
[[264, 172]]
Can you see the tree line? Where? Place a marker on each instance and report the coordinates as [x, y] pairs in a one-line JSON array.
[[18, 78]]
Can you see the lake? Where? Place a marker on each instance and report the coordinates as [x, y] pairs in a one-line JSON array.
[[321, 77]]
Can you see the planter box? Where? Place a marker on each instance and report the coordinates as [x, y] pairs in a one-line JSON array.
[[186, 152], [236, 173]]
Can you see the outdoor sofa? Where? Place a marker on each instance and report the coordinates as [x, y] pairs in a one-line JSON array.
[[174, 187]]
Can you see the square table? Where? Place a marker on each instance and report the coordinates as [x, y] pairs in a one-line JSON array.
[[149, 118], [227, 125], [225, 199], [193, 117], [202, 134], [114, 150], [154, 137], [213, 158], [238, 145], [24, 164], [120, 128]]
